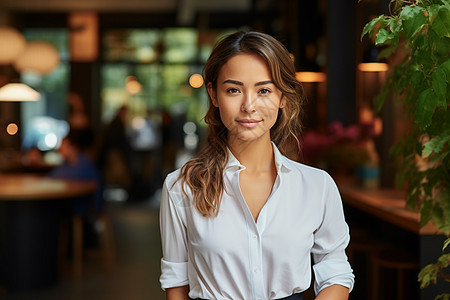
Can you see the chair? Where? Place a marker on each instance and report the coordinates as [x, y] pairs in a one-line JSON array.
[[105, 251], [396, 260]]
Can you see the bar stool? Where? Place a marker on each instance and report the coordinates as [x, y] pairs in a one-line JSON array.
[[362, 241], [362, 246], [396, 260], [105, 251]]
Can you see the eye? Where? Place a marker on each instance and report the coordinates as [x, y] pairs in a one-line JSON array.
[[264, 91], [232, 90]]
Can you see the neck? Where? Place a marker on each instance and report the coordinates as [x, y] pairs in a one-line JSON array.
[[255, 156]]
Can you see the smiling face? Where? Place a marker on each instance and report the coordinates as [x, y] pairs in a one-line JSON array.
[[247, 98]]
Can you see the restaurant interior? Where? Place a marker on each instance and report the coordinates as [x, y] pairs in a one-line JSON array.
[[128, 75]]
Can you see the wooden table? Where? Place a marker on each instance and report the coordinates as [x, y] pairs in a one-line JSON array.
[[386, 204], [389, 206], [30, 212]]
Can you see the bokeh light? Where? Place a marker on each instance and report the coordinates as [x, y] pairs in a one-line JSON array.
[[196, 80], [12, 129]]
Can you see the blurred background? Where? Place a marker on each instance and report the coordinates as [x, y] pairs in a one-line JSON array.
[[129, 73]]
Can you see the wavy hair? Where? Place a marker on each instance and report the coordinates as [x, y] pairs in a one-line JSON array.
[[204, 173]]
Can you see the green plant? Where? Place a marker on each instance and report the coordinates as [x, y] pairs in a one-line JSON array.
[[421, 82]]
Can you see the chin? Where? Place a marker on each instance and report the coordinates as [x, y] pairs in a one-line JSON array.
[[248, 136]]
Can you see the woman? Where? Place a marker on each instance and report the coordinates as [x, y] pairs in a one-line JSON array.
[[240, 221]]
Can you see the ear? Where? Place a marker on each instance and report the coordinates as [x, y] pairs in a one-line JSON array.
[[282, 102], [212, 94]]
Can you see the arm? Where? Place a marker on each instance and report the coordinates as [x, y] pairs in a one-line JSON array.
[[334, 292], [178, 293], [174, 264], [331, 267]]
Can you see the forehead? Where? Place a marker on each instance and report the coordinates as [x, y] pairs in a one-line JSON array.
[[246, 66]]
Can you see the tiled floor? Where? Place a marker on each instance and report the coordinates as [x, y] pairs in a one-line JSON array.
[[135, 274]]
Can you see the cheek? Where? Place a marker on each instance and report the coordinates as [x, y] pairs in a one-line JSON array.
[[270, 107]]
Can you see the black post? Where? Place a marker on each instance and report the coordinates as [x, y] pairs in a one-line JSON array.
[[341, 61]]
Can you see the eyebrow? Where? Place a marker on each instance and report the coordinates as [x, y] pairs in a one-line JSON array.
[[240, 83]]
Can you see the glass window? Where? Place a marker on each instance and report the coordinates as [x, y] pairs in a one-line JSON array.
[[132, 45], [150, 69], [53, 88], [180, 45]]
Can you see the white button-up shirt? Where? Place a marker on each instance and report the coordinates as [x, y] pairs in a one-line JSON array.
[[231, 256]]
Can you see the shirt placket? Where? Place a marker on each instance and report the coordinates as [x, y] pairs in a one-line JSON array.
[[255, 236], [254, 232]]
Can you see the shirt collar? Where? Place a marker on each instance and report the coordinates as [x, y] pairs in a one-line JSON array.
[[281, 162], [233, 162]]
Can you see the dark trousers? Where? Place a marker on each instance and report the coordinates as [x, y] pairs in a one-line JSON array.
[[291, 297]]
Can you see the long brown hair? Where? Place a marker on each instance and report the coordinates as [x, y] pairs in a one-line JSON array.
[[204, 173]]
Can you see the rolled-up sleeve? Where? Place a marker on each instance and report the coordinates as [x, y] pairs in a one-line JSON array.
[[331, 265], [174, 263]]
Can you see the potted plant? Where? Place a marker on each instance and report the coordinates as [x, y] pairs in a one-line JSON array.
[[420, 80]]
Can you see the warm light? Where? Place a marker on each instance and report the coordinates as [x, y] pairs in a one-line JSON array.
[[12, 44], [310, 76], [365, 115], [18, 92], [39, 57], [83, 38], [377, 126], [373, 67], [132, 85], [196, 80], [12, 129]]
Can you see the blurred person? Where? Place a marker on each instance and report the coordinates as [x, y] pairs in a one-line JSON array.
[[78, 165], [77, 116], [115, 153], [241, 220]]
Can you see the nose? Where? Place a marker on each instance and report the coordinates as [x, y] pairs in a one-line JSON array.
[[248, 104]]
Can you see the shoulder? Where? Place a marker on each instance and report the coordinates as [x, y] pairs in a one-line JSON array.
[[307, 177], [176, 189], [309, 172], [173, 180]]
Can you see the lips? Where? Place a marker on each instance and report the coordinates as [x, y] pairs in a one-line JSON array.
[[249, 123]]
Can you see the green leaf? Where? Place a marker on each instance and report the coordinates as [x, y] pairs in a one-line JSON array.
[[369, 27], [426, 213], [442, 297], [444, 260], [383, 36], [381, 98], [446, 243], [423, 54], [440, 45], [433, 9], [427, 275], [437, 215], [417, 78], [425, 107], [413, 19], [446, 68], [387, 52], [435, 145], [439, 83], [441, 23]]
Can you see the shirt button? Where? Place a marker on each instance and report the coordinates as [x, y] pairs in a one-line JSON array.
[[256, 270], [254, 237]]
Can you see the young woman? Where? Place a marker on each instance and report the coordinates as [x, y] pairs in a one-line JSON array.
[[241, 221]]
